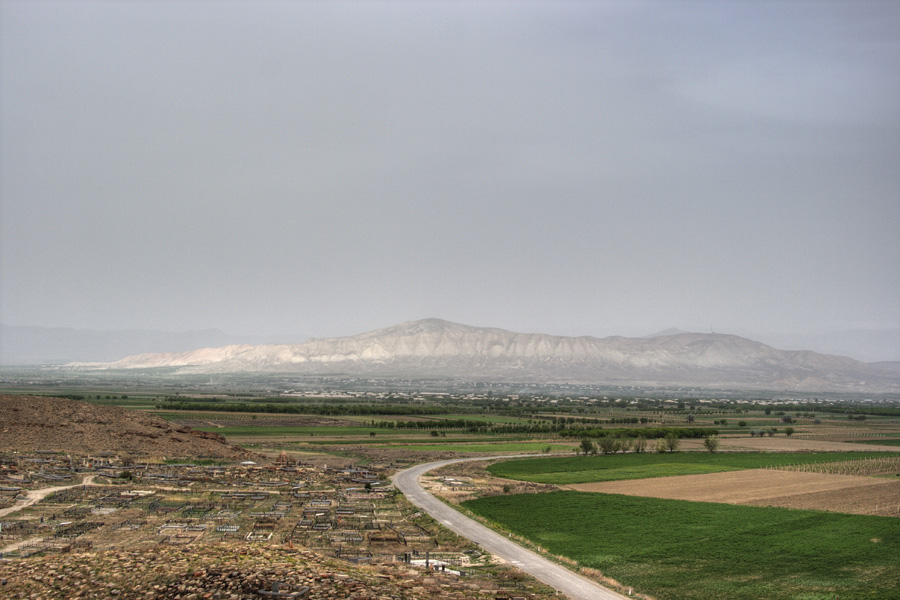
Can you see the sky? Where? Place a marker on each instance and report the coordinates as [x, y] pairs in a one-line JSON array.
[[329, 168]]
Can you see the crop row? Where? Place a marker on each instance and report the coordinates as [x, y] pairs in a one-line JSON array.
[[862, 466]]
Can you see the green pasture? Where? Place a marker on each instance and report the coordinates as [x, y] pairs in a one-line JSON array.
[[679, 550], [613, 467]]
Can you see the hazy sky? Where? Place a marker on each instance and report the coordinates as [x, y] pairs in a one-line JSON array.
[[556, 167]]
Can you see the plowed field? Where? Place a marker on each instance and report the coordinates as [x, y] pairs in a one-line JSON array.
[[765, 487]]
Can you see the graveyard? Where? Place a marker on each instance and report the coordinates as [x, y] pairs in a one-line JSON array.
[[337, 522]]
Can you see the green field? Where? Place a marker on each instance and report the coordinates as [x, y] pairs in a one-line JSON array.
[[489, 447], [499, 419], [678, 550], [884, 442], [585, 469], [262, 430]]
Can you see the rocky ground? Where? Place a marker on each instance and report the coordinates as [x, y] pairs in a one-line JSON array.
[[33, 423], [232, 573]]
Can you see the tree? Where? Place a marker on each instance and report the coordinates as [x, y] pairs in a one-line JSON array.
[[587, 446], [690, 418], [711, 443], [788, 431], [661, 446], [609, 445], [672, 442], [742, 423], [640, 444]]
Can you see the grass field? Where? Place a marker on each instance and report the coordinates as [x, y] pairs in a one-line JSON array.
[[584, 469], [679, 550]]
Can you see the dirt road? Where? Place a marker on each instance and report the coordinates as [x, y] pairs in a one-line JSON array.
[[35, 496], [558, 577]]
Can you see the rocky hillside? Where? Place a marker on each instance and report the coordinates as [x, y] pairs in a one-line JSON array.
[[435, 348], [30, 423], [236, 573]]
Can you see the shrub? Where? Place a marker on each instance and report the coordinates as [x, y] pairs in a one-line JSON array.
[[711, 443]]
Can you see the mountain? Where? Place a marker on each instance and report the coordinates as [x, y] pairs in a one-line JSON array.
[[25, 345], [862, 344], [436, 348]]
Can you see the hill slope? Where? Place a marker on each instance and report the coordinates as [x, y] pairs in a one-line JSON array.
[[436, 348], [30, 423]]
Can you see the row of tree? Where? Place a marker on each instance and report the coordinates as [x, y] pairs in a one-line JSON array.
[[646, 432]]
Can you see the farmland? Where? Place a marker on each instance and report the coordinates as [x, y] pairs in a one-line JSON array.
[[770, 487], [690, 525], [691, 550], [390, 428], [582, 469]]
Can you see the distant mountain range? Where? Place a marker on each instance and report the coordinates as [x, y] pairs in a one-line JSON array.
[[24, 345], [436, 348]]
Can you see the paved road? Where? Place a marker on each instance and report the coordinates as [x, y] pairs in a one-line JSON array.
[[558, 577]]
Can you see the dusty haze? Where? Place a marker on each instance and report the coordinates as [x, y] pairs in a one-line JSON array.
[[572, 168]]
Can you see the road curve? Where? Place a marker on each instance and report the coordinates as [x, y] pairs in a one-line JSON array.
[[556, 576]]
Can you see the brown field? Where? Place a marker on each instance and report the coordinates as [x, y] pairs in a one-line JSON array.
[[781, 443], [767, 487]]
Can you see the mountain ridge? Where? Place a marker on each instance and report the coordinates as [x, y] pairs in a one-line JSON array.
[[438, 348], [35, 345]]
